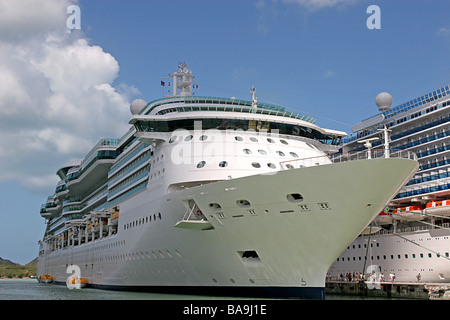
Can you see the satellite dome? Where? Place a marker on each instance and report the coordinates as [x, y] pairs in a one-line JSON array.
[[137, 106], [383, 101]]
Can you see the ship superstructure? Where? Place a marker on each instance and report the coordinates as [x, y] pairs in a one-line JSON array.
[[411, 237], [214, 195]]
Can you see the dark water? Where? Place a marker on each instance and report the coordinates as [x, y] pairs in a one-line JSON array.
[[31, 289]]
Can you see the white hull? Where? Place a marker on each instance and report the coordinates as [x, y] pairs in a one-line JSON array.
[[295, 242], [406, 256]]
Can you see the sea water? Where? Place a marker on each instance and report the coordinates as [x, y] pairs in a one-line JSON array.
[[31, 289]]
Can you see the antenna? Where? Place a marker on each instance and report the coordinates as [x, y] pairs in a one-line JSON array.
[[182, 81], [368, 145], [254, 99]]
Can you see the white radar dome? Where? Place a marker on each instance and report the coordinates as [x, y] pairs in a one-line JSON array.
[[383, 101], [137, 106]]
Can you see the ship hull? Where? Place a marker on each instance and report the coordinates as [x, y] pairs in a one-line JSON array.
[[258, 239], [406, 254]]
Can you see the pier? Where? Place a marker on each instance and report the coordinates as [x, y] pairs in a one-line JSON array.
[[395, 290]]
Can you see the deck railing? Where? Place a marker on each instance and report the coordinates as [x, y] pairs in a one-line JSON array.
[[348, 156]]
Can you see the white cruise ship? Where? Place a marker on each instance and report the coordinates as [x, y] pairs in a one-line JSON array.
[[210, 195], [410, 239]]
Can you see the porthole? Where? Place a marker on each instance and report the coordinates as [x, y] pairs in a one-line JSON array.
[[188, 138], [293, 154], [247, 151], [201, 164], [280, 153], [172, 139], [270, 140], [289, 166], [253, 139], [238, 138], [223, 164], [263, 152], [243, 203], [203, 137], [271, 165], [283, 141], [294, 197], [256, 165]]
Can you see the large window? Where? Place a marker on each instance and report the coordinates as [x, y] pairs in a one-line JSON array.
[[234, 124]]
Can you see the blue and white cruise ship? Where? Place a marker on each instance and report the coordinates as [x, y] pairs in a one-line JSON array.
[[411, 237], [213, 195]]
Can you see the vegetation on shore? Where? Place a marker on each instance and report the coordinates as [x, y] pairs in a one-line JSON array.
[[9, 269]]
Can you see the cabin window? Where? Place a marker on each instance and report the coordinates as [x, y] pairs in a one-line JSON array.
[[262, 152], [247, 151], [271, 165], [280, 153], [256, 165], [201, 164], [223, 164]]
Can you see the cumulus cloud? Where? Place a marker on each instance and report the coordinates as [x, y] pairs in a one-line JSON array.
[[57, 96], [319, 4]]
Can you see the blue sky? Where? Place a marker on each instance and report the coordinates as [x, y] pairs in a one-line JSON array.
[[62, 91]]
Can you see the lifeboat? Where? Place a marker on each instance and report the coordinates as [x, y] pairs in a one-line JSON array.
[[115, 218], [408, 213], [441, 208], [383, 218], [46, 278], [97, 224], [82, 282]]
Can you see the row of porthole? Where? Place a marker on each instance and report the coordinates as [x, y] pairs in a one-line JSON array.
[[237, 138], [223, 164], [148, 255], [263, 152], [243, 203], [138, 222]]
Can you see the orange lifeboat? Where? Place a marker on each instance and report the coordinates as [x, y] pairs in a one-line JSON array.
[[412, 212], [383, 218], [46, 278], [115, 218], [438, 207], [82, 282]]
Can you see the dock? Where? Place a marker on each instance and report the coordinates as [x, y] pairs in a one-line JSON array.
[[390, 290]]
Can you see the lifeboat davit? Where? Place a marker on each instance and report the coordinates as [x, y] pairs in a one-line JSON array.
[[46, 278], [408, 213], [441, 208]]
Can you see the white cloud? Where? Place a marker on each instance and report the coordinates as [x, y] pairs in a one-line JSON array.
[[444, 32], [319, 4], [269, 11], [329, 74], [57, 97]]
